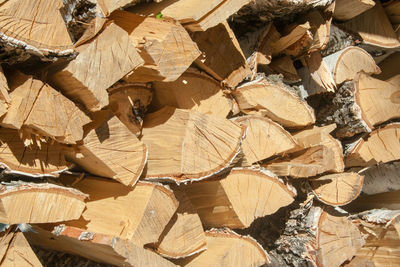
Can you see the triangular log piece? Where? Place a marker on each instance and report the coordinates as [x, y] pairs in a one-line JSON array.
[[44, 111], [100, 64], [284, 65], [337, 189], [164, 45], [264, 138], [16, 251], [227, 248], [222, 56], [193, 90], [381, 146], [34, 27], [22, 202], [382, 228], [92, 29], [38, 159], [381, 178], [275, 100], [139, 214], [188, 145], [4, 88], [348, 9], [387, 200], [129, 101], [238, 198], [374, 28], [263, 42], [111, 150], [389, 67], [94, 246], [393, 11]]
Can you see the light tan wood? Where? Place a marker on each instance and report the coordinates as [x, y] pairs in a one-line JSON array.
[[108, 6], [393, 11], [226, 248], [22, 202], [320, 22], [275, 100], [381, 178], [236, 199], [100, 64], [284, 65], [16, 251], [386, 200], [112, 151], [359, 262], [221, 56], [4, 95], [164, 45], [348, 9], [188, 145], [265, 44], [337, 189], [292, 37], [382, 145], [264, 138], [95, 246]]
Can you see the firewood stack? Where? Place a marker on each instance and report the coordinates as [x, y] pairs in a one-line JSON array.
[[200, 133]]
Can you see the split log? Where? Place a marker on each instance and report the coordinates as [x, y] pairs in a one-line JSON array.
[[381, 146], [337, 189], [222, 56], [111, 151], [238, 198], [164, 45], [359, 262], [284, 65], [275, 100], [109, 6], [393, 11], [188, 145], [226, 248], [264, 138], [381, 178], [387, 200], [388, 67], [348, 9], [194, 90], [339, 40], [114, 56], [39, 203], [94, 246], [4, 96]]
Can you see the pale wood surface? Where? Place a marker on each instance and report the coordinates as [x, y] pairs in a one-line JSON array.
[[381, 178], [348, 9]]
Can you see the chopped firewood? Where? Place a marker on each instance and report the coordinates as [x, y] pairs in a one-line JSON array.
[[100, 64], [339, 39], [296, 34], [16, 251], [111, 150], [194, 90], [222, 56], [188, 145], [109, 6], [284, 65], [264, 138], [275, 100], [381, 146], [337, 189], [129, 101], [39, 203], [227, 248], [94, 246], [238, 198], [359, 262], [387, 200], [393, 11], [4, 95], [348, 9], [263, 42], [164, 45], [133, 214], [389, 67], [381, 178]]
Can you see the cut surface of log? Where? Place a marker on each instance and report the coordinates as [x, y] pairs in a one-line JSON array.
[[194, 90], [348, 9], [274, 100], [239, 197], [381, 178], [111, 151], [22, 202], [188, 145], [100, 64], [337, 189], [164, 45], [264, 138]]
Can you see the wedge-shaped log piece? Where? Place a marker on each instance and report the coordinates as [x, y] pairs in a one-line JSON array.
[[133, 214], [188, 145], [348, 9], [284, 65], [275, 100], [381, 178], [264, 138], [227, 248], [42, 110], [393, 11], [381, 146], [95, 246], [129, 101], [111, 151], [16, 251], [238, 198], [222, 56], [193, 90], [39, 203], [164, 45], [337, 189], [4, 96], [100, 64]]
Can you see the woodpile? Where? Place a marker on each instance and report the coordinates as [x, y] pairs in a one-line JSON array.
[[200, 133]]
